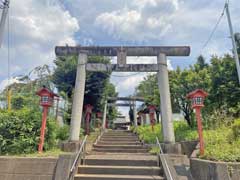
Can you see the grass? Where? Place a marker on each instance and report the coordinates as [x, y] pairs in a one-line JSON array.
[[51, 153], [220, 145], [182, 133]]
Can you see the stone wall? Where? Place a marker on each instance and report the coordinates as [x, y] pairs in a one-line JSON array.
[[24, 168], [210, 170], [12, 168], [188, 147]]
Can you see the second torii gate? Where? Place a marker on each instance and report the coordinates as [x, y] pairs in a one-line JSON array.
[[122, 52], [131, 102]]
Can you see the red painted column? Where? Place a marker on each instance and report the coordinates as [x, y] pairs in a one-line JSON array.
[[87, 127], [200, 130], [87, 119], [106, 125], [152, 115], [44, 121]]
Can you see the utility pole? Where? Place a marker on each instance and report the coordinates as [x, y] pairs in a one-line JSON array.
[[3, 19], [233, 40]]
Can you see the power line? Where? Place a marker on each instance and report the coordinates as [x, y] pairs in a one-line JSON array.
[[214, 30]]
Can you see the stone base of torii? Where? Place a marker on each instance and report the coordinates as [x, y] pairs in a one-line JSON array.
[[122, 52]]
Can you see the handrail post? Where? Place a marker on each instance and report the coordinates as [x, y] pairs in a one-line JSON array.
[[84, 153]]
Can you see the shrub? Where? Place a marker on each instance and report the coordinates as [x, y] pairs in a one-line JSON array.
[[63, 133], [236, 129], [20, 131], [183, 132], [218, 147], [217, 119]]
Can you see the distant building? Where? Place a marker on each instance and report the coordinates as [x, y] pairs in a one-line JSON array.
[[122, 122]]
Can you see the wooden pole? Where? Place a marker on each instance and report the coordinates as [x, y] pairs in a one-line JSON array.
[[44, 121], [200, 130]]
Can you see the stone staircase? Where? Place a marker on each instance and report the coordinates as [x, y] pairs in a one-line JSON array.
[[119, 156]]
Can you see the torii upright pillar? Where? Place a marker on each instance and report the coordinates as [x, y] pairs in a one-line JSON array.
[[79, 90], [166, 107], [104, 115], [135, 114]]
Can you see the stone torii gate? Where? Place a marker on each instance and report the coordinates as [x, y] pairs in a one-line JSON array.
[[122, 52], [131, 102]]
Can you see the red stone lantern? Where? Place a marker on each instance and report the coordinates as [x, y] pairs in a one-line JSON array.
[[46, 101], [88, 108], [152, 110], [197, 99], [99, 116]]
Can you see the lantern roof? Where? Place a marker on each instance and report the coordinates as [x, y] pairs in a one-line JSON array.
[[197, 93], [46, 91]]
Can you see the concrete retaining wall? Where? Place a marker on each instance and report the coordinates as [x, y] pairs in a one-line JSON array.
[[188, 147], [210, 170], [12, 168]]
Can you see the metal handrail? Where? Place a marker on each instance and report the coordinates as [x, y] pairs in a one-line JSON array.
[[168, 172], [99, 136], [78, 157]]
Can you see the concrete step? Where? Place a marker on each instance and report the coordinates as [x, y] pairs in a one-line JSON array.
[[118, 143], [121, 150], [115, 162], [114, 135], [119, 146], [114, 177], [119, 136], [119, 139], [120, 170], [120, 153], [119, 131]]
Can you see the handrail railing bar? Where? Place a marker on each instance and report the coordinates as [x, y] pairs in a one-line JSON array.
[[165, 162], [100, 135], [78, 155]]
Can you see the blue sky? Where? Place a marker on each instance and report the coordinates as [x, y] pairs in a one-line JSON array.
[[36, 27]]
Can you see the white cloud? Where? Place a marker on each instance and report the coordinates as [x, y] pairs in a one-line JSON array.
[[145, 19], [36, 27], [6, 82]]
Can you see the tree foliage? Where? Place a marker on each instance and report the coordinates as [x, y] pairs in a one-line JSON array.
[[97, 87], [219, 79], [20, 131]]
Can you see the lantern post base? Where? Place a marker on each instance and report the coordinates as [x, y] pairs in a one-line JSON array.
[[70, 146]]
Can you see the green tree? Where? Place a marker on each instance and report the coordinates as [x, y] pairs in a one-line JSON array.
[[181, 83], [200, 64], [97, 87], [148, 89], [237, 39], [184, 81], [225, 90]]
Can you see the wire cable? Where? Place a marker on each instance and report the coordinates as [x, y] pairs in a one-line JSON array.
[[214, 29]]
